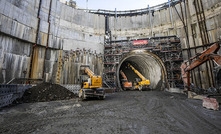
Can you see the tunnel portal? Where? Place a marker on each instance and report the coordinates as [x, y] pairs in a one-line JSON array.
[[148, 64]]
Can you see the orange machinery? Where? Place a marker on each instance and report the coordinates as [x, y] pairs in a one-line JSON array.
[[208, 54], [126, 84]]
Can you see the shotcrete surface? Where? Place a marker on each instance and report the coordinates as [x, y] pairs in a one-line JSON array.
[[122, 112]]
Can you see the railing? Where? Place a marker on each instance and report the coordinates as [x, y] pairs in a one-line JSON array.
[[133, 12], [9, 93], [73, 88]]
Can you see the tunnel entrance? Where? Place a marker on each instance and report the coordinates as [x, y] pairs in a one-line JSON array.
[[148, 64]]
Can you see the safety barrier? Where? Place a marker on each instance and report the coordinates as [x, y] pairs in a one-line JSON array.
[[73, 88], [9, 93]]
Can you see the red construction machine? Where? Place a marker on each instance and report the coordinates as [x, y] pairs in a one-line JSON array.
[[126, 84], [208, 54], [212, 100]]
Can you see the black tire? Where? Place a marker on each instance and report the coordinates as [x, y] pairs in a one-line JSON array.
[[83, 96]]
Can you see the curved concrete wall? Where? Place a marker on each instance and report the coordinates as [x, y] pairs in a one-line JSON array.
[[70, 30], [139, 26], [77, 28], [135, 27]]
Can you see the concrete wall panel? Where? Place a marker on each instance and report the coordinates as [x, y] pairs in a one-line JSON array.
[[18, 18], [72, 29]]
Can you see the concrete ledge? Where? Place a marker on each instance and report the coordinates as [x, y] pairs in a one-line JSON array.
[[175, 90], [193, 95]]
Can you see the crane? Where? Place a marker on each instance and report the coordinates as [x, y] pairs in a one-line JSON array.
[[91, 84], [126, 84], [140, 84]]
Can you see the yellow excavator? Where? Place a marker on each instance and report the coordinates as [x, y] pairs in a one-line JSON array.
[[91, 84], [140, 83]]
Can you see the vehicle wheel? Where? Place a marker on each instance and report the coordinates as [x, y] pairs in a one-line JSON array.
[[140, 88], [83, 97], [80, 94]]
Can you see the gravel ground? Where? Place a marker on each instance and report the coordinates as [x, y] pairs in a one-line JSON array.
[[123, 112]]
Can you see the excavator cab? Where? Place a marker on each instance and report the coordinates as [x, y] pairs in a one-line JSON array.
[[84, 79]]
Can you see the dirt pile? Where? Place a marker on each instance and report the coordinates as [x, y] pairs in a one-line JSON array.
[[46, 92]]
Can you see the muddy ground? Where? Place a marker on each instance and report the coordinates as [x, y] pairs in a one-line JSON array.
[[123, 112]]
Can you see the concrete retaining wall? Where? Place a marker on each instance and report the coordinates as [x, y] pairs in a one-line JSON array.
[[70, 29], [135, 27], [139, 26], [73, 29]]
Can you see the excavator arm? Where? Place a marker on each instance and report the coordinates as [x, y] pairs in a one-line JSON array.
[[89, 72], [126, 84], [144, 84], [208, 54], [123, 75], [137, 72]]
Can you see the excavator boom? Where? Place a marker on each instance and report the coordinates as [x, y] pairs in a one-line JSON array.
[[123, 75], [138, 73], [144, 84], [126, 84], [89, 72], [208, 54]]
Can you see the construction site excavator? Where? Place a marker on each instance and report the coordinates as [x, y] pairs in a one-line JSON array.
[[141, 83], [91, 84], [126, 84], [206, 55]]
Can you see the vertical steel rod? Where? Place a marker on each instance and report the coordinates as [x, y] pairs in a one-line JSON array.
[[188, 80], [211, 64], [36, 40], [171, 19], [199, 23], [150, 21], [49, 28], [115, 23], [194, 43]]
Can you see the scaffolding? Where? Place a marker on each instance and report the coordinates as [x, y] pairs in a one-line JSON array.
[[113, 53], [168, 48]]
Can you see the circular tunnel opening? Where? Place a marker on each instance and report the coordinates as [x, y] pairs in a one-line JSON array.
[[148, 64]]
